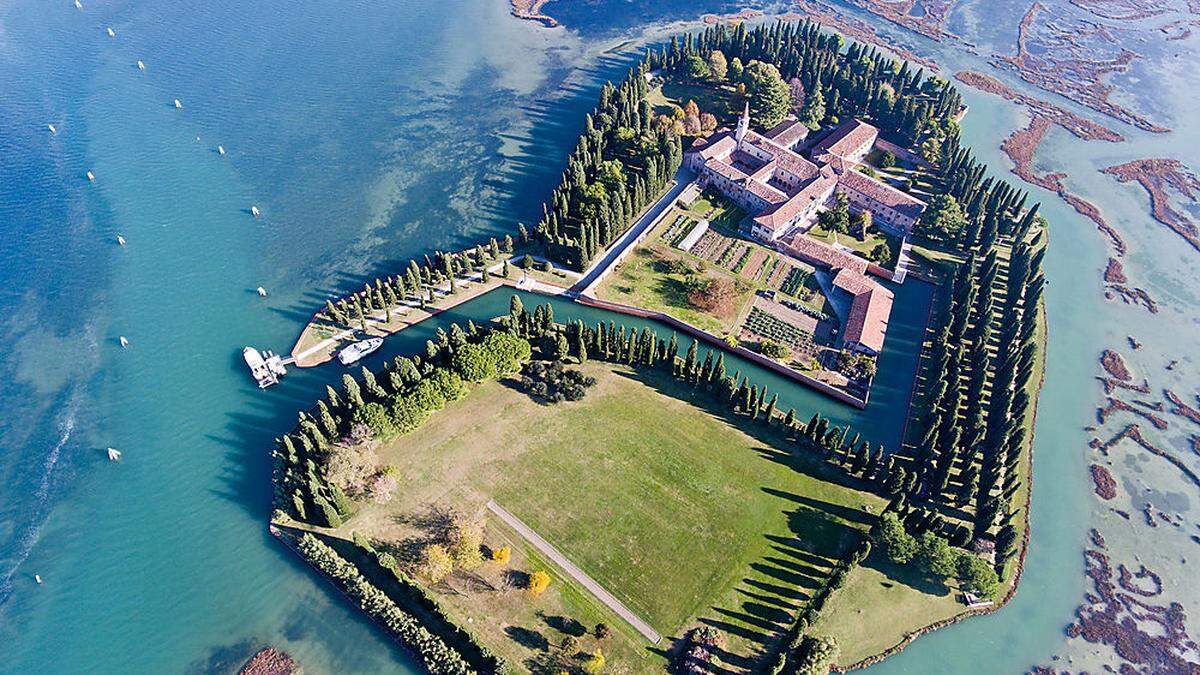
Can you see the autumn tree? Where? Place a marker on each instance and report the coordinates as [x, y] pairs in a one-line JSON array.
[[539, 581], [437, 564], [718, 67]]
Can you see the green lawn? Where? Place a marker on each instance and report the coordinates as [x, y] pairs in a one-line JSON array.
[[875, 236], [710, 99], [678, 512], [880, 604]]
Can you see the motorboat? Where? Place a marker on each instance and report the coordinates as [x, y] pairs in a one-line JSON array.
[[358, 350]]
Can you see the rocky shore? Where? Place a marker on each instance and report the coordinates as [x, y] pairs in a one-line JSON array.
[[531, 10], [270, 661]]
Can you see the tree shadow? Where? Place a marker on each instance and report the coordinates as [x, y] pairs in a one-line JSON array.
[[528, 638]]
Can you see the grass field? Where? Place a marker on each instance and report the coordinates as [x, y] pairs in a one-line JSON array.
[[680, 513]]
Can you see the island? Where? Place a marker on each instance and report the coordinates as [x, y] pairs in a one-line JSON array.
[[746, 212]]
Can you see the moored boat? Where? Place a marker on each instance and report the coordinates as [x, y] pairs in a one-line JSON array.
[[358, 350]]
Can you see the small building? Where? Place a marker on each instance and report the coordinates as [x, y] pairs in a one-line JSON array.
[[870, 309]]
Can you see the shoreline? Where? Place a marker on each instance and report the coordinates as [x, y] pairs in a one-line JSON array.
[[531, 10]]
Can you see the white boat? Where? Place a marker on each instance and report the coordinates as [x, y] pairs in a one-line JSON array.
[[266, 367], [91, 177], [254, 211], [262, 292], [111, 32], [178, 105], [123, 341], [38, 577], [53, 131], [120, 240], [220, 149], [141, 66], [78, 4], [358, 350], [114, 455]]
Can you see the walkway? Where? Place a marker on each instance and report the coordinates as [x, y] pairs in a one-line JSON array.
[[575, 573], [604, 264]]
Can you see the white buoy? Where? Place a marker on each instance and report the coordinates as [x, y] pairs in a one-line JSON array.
[[124, 342], [220, 149], [262, 292], [141, 66], [53, 131], [38, 577], [111, 32], [91, 177], [114, 455], [178, 105], [120, 240], [254, 211]]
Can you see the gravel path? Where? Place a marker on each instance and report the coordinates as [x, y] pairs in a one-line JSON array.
[[577, 574]]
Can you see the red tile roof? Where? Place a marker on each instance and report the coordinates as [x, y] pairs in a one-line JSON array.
[[787, 133], [870, 310], [811, 250], [884, 194], [847, 139]]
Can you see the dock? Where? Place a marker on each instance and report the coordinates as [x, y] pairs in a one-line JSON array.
[[266, 367]]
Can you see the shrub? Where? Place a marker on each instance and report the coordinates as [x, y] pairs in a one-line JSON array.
[[773, 350], [539, 581], [817, 655], [502, 554], [602, 631], [594, 662]]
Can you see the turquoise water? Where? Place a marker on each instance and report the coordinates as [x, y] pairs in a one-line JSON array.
[[366, 133]]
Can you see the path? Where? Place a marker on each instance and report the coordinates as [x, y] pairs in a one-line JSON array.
[[575, 573], [602, 265]]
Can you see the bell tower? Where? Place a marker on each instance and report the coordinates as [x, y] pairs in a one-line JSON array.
[[743, 125]]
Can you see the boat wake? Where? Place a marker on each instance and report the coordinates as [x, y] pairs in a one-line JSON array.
[[30, 533]]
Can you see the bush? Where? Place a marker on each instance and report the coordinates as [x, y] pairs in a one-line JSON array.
[[553, 383], [502, 554], [773, 350], [539, 581]]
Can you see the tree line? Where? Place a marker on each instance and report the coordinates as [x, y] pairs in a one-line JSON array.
[[622, 162], [420, 282], [824, 82]]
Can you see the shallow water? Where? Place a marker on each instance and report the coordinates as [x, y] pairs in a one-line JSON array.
[[367, 133]]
